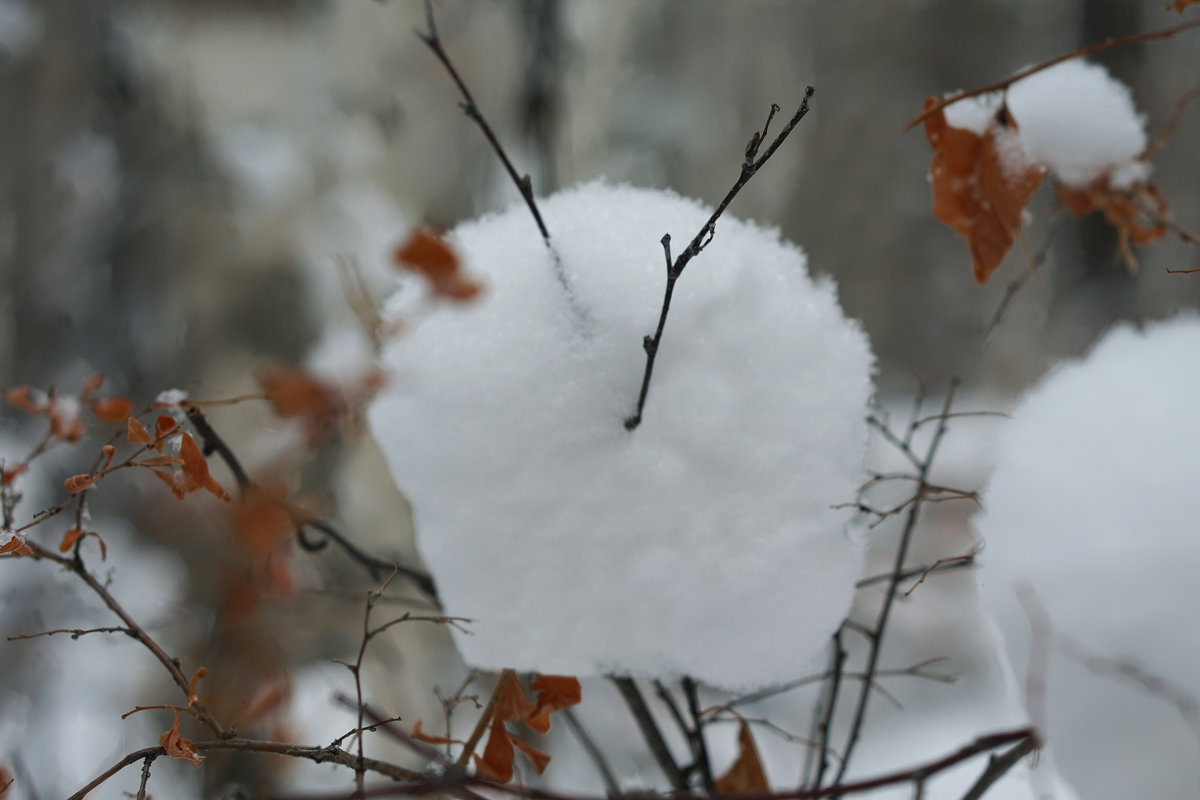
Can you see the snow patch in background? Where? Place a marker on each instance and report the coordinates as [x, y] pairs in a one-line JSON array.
[[1093, 503], [703, 543]]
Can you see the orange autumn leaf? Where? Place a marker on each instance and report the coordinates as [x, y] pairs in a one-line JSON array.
[[178, 747], [973, 190], [160, 461], [554, 693], [20, 397], [746, 776], [431, 257], [136, 433], [193, 697], [77, 483], [512, 704], [195, 467], [421, 736], [497, 761], [294, 392], [6, 780], [73, 535], [536, 757], [111, 409], [92, 384], [264, 523], [164, 424]]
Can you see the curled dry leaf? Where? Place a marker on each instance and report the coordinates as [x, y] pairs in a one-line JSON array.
[[74, 534], [109, 452], [15, 546], [178, 747], [421, 736], [78, 483], [136, 433], [432, 257], [975, 191], [195, 468], [512, 704], [92, 384], [164, 426], [554, 693], [194, 698], [746, 776]]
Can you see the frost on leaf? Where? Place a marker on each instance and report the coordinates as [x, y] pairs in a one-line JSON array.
[[15, 546], [746, 776], [976, 190], [178, 747], [429, 255]]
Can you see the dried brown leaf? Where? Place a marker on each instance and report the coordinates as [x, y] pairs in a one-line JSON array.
[[746, 776]]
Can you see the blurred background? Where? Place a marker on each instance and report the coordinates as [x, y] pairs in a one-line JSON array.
[[179, 180]]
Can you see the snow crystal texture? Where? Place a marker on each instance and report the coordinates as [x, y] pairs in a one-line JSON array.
[[702, 543], [1093, 502]]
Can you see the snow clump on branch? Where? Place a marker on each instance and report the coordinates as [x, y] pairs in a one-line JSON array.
[[704, 542]]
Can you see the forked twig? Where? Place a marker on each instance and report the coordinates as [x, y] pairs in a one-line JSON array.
[[675, 268]]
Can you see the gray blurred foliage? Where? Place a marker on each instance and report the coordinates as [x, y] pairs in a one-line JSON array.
[[129, 245]]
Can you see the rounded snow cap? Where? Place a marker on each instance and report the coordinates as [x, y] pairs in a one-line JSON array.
[[1093, 506], [703, 542]]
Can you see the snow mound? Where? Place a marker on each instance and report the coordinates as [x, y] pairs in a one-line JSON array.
[[1074, 118], [702, 543], [1093, 503]]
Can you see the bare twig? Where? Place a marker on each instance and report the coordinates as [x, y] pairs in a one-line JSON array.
[[998, 86], [650, 731], [1172, 123], [74, 632], [701, 240], [146, 764], [523, 183], [593, 751], [999, 765], [696, 734]]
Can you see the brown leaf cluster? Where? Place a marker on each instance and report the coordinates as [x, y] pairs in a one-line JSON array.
[[1137, 213], [432, 257], [974, 192], [512, 704], [184, 473], [296, 393], [65, 422]]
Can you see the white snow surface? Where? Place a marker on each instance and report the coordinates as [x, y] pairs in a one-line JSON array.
[[1074, 118], [1093, 503], [704, 542]]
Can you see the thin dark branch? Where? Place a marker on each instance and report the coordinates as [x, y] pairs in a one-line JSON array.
[[921, 772], [649, 728], [699, 746], [523, 183], [319, 755], [75, 632], [675, 268], [998, 86], [377, 567], [593, 751], [668, 700], [998, 766], [146, 764], [828, 705]]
